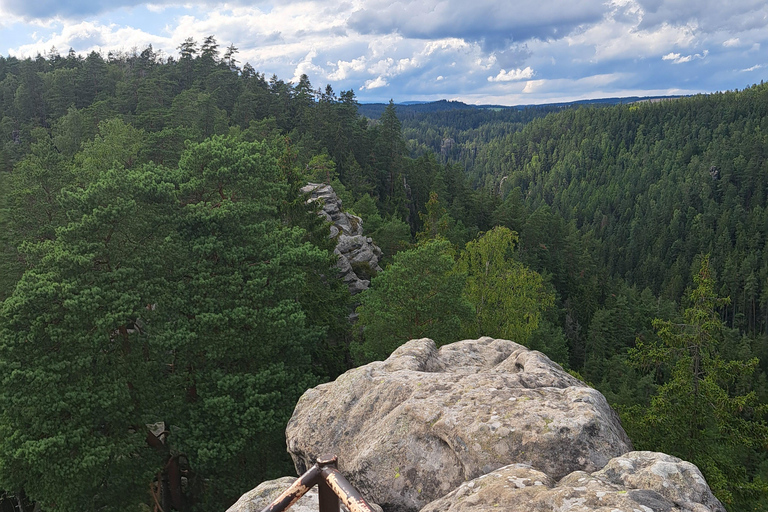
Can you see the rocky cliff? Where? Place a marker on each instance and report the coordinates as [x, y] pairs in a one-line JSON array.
[[358, 255], [482, 424]]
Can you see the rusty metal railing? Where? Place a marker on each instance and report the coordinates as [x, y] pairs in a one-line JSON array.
[[331, 487]]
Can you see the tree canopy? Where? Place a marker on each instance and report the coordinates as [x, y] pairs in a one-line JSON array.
[[166, 295]]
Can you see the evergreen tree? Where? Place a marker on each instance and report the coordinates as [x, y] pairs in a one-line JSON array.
[[79, 375], [699, 413], [165, 295]]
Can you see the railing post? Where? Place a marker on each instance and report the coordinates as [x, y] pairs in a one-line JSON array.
[[329, 501], [331, 487]]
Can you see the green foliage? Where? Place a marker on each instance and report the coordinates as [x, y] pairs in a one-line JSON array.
[[165, 295], [321, 169], [365, 207], [79, 378], [363, 270], [508, 297], [700, 413], [33, 208], [417, 296], [116, 145], [550, 339], [435, 220], [393, 236], [11, 266]]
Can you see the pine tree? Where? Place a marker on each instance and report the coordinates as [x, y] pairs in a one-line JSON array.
[[700, 413]]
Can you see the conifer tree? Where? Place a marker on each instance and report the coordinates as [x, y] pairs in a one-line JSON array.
[[699, 413]]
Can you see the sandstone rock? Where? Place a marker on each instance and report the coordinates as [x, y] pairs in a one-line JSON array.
[[358, 255], [258, 498], [410, 429], [636, 481]]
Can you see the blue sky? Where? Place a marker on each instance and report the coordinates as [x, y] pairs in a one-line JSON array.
[[478, 51]]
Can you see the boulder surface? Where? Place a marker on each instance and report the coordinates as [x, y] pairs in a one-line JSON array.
[[411, 429], [634, 482]]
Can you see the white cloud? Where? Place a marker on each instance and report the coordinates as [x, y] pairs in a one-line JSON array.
[[92, 36], [306, 67], [620, 35], [7, 18], [374, 84], [156, 8], [753, 68], [485, 21], [734, 41], [676, 58], [344, 69], [512, 75], [709, 15], [533, 85]]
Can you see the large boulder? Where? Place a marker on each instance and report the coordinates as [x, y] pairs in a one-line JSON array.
[[410, 429], [358, 255], [634, 482]]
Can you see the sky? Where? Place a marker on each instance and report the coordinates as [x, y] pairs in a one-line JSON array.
[[509, 52]]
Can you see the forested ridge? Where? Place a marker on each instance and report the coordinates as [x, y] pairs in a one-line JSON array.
[[159, 264]]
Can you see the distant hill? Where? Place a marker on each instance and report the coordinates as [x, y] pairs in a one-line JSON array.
[[409, 109]]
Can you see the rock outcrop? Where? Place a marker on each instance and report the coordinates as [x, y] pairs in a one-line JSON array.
[[413, 428], [258, 498], [636, 481], [358, 255]]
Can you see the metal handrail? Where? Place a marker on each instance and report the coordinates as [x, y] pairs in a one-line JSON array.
[[331, 486]]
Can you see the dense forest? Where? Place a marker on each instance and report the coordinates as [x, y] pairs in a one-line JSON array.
[[167, 292]]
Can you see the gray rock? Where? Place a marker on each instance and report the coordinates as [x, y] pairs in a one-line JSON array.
[[258, 498], [636, 481], [411, 429], [351, 246]]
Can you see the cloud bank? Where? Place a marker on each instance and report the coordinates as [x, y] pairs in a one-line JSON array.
[[486, 51]]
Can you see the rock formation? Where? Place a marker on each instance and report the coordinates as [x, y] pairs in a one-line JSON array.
[[636, 481], [411, 429], [358, 256]]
